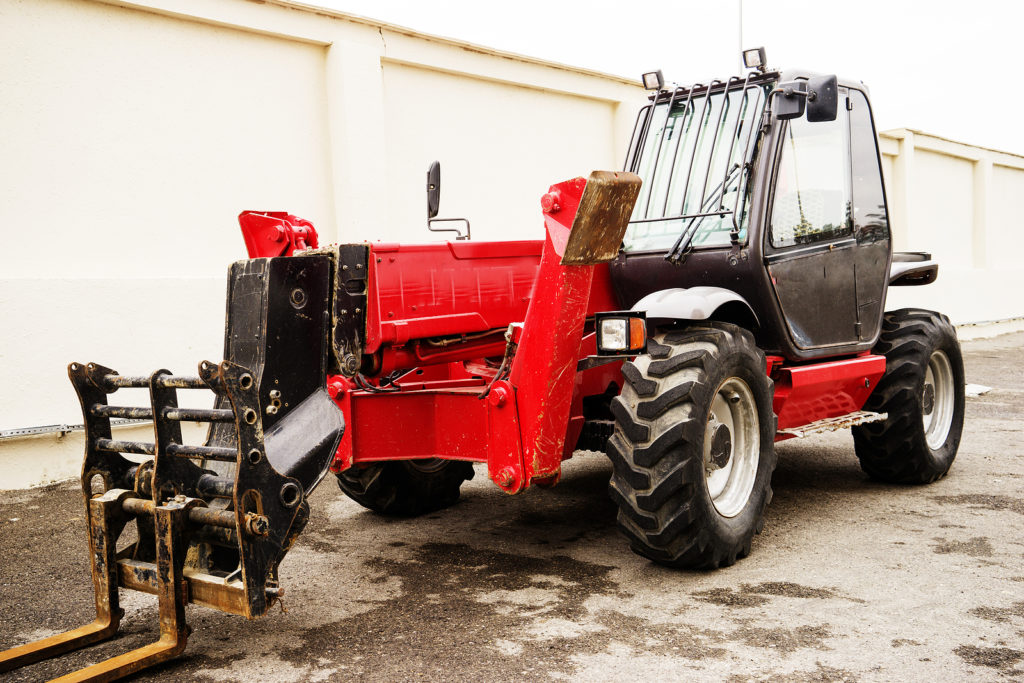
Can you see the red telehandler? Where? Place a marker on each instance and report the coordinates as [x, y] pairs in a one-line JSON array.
[[724, 291]]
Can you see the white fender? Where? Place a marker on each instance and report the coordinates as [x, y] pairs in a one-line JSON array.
[[695, 303]]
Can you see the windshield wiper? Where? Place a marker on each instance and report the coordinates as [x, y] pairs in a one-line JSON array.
[[679, 249]]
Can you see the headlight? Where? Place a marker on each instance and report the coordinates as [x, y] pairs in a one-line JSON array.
[[614, 334], [621, 333]]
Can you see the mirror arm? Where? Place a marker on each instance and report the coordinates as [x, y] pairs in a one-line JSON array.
[[458, 233], [789, 92]]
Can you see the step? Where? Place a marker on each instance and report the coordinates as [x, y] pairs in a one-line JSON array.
[[831, 424]]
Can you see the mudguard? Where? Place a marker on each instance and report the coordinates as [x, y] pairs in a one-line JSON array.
[[912, 268], [694, 303]]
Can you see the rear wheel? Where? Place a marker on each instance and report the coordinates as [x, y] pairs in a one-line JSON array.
[[406, 488], [693, 447], [922, 392]]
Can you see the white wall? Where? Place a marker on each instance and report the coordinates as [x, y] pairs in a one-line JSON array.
[[959, 202], [133, 133]]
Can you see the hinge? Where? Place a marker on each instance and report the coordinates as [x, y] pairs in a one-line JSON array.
[[849, 104]]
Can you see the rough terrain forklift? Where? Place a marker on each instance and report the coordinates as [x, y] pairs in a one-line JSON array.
[[722, 292]]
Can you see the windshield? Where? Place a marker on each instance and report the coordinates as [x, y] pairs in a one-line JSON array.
[[693, 156]]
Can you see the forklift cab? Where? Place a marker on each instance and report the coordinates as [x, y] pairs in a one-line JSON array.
[[765, 191]]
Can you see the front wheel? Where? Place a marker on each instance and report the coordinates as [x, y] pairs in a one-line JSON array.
[[922, 391], [693, 447]]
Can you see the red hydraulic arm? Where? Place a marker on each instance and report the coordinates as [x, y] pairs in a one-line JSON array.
[[544, 369]]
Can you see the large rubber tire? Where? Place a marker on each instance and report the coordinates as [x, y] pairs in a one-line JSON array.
[[661, 448], [406, 488], [922, 391]]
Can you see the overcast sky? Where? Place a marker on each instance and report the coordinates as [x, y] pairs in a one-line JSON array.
[[943, 67]]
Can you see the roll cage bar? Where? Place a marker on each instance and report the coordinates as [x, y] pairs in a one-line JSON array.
[[643, 127]]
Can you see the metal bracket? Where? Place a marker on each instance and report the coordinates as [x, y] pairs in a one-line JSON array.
[[61, 429], [458, 233]]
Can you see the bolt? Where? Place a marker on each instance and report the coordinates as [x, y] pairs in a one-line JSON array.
[[274, 393], [257, 525], [336, 389], [505, 477], [350, 363], [549, 203], [344, 267], [867, 382], [498, 396]]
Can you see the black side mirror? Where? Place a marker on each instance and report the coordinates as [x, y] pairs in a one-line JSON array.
[[434, 188], [790, 98], [434, 203], [822, 98]]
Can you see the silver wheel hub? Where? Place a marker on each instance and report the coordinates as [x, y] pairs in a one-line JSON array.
[[732, 447], [928, 399], [938, 400], [721, 447]]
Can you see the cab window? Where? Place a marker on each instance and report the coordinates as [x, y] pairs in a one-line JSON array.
[[869, 213], [812, 200]]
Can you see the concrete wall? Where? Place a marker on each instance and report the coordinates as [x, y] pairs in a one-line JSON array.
[[133, 133], [960, 203]]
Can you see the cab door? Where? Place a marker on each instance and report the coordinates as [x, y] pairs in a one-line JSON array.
[[810, 246], [870, 218]]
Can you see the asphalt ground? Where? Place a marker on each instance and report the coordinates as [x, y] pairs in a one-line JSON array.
[[851, 580]]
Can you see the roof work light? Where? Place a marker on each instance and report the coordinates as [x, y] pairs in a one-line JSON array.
[[755, 58], [653, 80]]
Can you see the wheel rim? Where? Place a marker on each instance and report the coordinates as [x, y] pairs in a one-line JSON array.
[[732, 447], [938, 399]]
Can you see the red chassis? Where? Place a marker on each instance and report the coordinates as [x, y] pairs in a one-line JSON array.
[[490, 336]]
